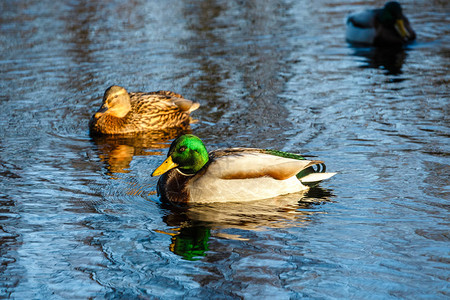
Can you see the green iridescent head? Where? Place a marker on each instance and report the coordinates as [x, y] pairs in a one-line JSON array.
[[187, 153]]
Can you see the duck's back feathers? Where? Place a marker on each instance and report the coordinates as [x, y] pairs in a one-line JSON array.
[[163, 110], [182, 103], [167, 93], [162, 102], [239, 163], [364, 19]]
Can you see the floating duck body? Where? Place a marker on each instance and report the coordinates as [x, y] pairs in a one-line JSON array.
[[385, 26], [230, 175], [128, 113]]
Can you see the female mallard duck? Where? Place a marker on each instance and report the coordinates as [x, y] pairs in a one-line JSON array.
[[125, 113], [191, 175], [386, 26]]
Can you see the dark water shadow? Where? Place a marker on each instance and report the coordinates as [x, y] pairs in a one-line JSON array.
[[389, 59], [192, 227], [117, 152]]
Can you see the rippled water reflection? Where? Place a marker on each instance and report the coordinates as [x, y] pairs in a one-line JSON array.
[[118, 151], [79, 216]]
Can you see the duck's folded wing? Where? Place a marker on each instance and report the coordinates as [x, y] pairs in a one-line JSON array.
[[255, 165], [182, 103], [186, 105], [365, 19], [161, 104], [167, 93]]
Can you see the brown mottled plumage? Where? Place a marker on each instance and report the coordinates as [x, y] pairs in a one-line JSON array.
[[126, 113]]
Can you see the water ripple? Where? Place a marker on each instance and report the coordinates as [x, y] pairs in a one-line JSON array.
[[80, 217]]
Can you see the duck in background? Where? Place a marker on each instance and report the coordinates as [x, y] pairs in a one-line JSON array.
[[385, 26], [129, 113], [192, 175]]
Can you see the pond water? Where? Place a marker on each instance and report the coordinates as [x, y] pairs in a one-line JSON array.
[[79, 216]]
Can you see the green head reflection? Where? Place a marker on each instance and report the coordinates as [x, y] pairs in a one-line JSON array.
[[191, 243]]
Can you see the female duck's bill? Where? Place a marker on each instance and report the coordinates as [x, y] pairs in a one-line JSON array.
[[192, 175], [385, 26]]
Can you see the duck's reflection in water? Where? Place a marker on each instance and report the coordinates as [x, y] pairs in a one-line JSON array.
[[117, 152], [390, 59], [193, 226]]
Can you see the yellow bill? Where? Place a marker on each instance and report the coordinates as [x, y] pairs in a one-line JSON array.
[[400, 27], [167, 165]]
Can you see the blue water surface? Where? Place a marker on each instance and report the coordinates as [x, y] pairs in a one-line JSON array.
[[79, 216]]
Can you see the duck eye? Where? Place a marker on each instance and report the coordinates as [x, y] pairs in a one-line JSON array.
[[182, 149]]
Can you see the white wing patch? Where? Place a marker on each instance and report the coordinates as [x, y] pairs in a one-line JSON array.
[[316, 177]]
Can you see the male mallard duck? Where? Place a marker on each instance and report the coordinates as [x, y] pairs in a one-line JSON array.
[[124, 113], [191, 175], [380, 27]]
